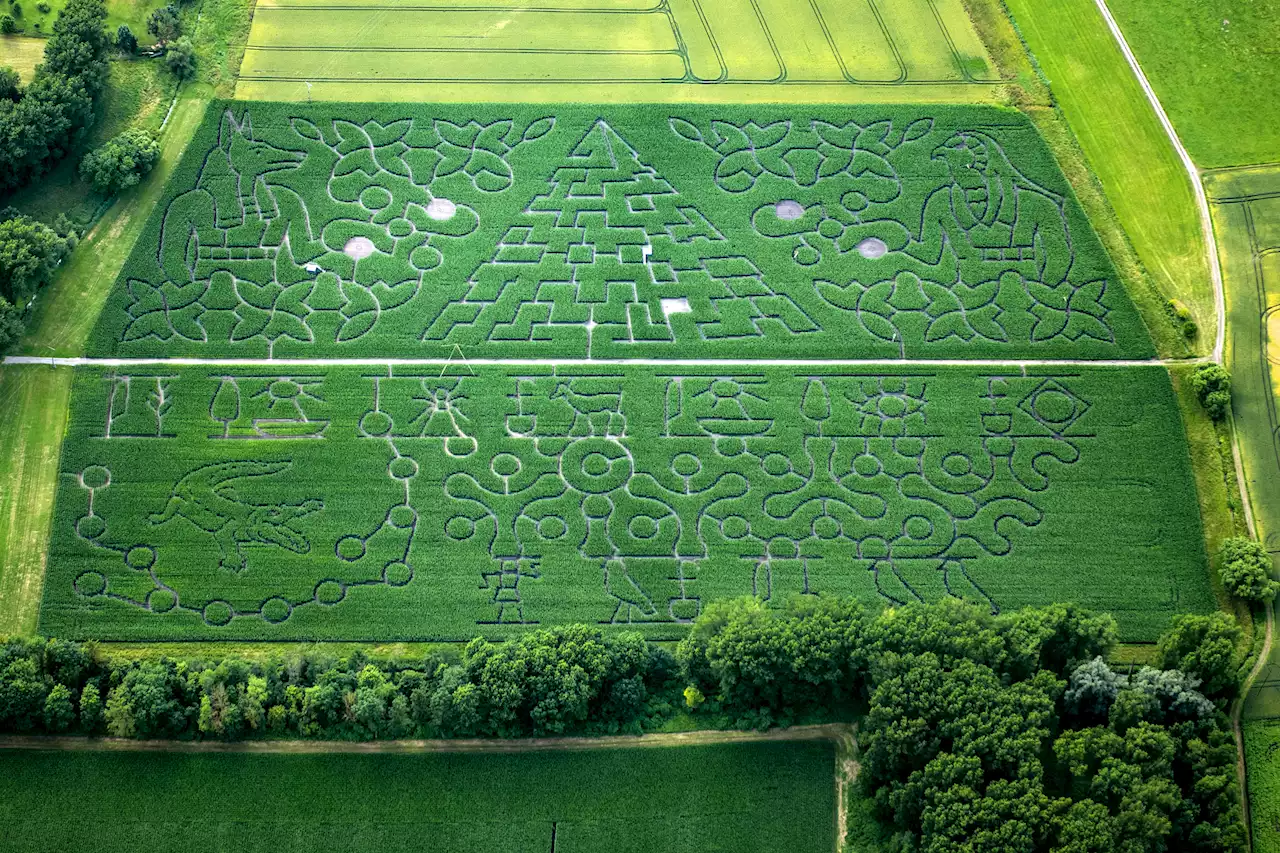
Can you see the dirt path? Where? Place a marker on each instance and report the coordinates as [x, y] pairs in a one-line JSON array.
[[839, 733]]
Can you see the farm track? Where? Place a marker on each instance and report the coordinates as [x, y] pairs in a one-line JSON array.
[[839, 733], [1219, 292]]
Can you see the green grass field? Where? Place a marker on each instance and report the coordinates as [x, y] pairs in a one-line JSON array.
[[734, 798], [22, 55], [1125, 144], [216, 503], [35, 22], [1262, 750], [651, 231], [33, 413], [1210, 63], [1246, 209], [747, 48]]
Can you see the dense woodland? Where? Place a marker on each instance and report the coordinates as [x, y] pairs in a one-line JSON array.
[[977, 732]]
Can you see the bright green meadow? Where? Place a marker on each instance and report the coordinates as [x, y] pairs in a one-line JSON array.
[[735, 798], [378, 504], [1262, 748], [645, 231]]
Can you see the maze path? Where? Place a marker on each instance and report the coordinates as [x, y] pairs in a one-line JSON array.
[[649, 233], [541, 495]]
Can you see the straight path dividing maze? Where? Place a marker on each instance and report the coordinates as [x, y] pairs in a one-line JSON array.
[[651, 232], [511, 497]]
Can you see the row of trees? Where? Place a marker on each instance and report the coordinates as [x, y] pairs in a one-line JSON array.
[[45, 121], [978, 732]]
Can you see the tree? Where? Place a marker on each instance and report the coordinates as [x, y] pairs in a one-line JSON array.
[[78, 47], [1212, 384], [8, 25], [90, 708], [121, 162], [1091, 690], [59, 714], [10, 84], [126, 41], [1204, 647], [1246, 570], [29, 253], [164, 24], [181, 58]]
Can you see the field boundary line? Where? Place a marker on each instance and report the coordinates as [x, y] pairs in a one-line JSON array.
[[838, 733], [79, 361], [1202, 201]]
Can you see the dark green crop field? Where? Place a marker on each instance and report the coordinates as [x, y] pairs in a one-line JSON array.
[[657, 231], [734, 798], [395, 503]]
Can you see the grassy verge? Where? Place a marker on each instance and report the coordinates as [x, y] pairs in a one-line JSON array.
[[219, 31], [1009, 53], [1262, 749], [740, 797], [66, 312], [33, 411], [1126, 146]]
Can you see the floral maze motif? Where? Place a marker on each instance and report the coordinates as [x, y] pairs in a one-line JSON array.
[[499, 232]]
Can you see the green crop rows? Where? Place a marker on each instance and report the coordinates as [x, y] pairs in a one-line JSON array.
[[677, 800], [646, 231], [237, 503]]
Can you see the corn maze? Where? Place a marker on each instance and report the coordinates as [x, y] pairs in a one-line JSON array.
[[219, 502], [646, 232], [461, 371]]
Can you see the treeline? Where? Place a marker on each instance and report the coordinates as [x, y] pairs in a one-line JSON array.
[[47, 120], [977, 732]]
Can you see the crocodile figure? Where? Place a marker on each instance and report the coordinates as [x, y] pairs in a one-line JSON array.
[[207, 498]]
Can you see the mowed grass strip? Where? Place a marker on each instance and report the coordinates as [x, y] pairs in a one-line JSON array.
[[321, 30], [1262, 758], [730, 797], [309, 66], [1125, 144], [218, 503], [33, 413]]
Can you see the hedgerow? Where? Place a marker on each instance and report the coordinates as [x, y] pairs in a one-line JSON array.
[[506, 231], [976, 732], [219, 502]]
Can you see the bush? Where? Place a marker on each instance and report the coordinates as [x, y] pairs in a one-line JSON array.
[[126, 41], [164, 24], [1203, 647], [1212, 384], [1246, 570], [8, 24], [181, 58], [10, 84], [29, 253], [121, 162], [43, 7]]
